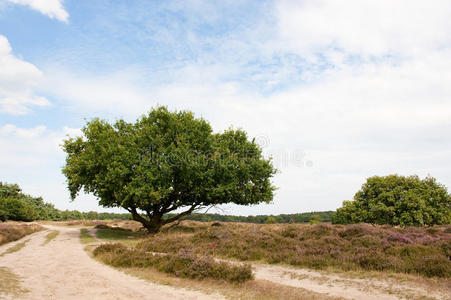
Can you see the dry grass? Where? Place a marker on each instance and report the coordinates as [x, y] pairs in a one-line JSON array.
[[421, 251], [10, 284], [50, 236], [15, 248], [76, 223], [12, 231]]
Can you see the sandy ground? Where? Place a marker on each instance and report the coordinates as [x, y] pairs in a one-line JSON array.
[[61, 269], [348, 288]]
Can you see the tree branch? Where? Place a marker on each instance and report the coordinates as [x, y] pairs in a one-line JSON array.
[[186, 212]]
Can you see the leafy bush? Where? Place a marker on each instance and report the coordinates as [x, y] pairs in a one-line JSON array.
[[182, 264], [17, 210], [397, 200]]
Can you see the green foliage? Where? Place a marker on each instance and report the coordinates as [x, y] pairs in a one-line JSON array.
[[182, 264], [18, 210], [314, 219], [16, 206], [325, 216], [397, 200], [166, 161], [270, 220], [117, 233], [85, 237]]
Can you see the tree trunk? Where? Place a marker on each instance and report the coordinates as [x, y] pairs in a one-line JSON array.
[[153, 225]]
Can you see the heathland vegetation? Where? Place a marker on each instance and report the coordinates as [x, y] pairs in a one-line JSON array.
[[414, 250], [11, 232]]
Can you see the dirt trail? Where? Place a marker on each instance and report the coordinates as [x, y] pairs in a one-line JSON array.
[[61, 269], [345, 287]]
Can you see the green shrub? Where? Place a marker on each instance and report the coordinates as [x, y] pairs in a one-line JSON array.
[[17, 210], [314, 219], [397, 200]]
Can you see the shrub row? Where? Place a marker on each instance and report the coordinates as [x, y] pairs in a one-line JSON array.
[[181, 264]]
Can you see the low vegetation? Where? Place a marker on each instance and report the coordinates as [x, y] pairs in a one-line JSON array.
[[15, 248], [85, 237], [50, 236], [183, 264], [10, 284], [10, 232], [416, 250]]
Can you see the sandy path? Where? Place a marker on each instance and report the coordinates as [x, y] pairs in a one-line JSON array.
[[61, 269], [334, 284]]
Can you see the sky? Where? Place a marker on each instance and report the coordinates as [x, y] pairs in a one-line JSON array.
[[334, 91]]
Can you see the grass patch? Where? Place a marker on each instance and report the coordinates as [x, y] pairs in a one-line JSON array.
[[85, 237], [411, 250], [10, 283], [10, 232], [117, 234], [15, 248], [183, 264], [50, 236]]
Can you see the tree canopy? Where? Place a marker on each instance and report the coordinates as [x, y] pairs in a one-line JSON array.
[[16, 206], [397, 200], [164, 162]]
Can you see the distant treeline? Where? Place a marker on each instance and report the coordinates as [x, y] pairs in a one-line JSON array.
[[321, 216], [17, 206]]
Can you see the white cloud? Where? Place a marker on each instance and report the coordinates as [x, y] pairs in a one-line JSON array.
[[373, 27], [51, 8], [8, 130], [18, 79], [71, 132]]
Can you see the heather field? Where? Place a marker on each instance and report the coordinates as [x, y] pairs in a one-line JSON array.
[[358, 261], [414, 250]]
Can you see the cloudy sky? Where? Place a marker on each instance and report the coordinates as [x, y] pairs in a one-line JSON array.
[[335, 91]]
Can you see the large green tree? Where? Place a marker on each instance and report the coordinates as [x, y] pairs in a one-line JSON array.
[[166, 162], [398, 200]]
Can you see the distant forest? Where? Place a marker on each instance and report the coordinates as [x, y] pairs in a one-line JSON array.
[[321, 216]]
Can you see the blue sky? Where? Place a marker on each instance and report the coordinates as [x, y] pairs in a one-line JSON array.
[[335, 92]]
